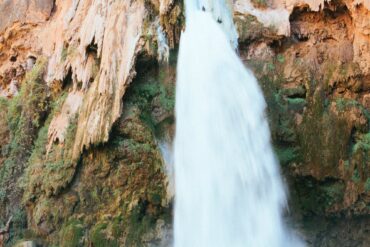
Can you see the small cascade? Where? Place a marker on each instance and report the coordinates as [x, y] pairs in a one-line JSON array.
[[229, 192], [163, 48]]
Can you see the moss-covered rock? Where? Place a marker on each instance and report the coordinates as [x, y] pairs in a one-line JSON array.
[[116, 193], [72, 234]]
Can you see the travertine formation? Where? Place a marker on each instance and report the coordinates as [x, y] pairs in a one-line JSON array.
[[312, 58]]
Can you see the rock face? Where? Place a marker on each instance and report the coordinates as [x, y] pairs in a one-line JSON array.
[[316, 84], [25, 11], [86, 104]]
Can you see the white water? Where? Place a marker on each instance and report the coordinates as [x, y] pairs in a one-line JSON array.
[[229, 191], [163, 48]]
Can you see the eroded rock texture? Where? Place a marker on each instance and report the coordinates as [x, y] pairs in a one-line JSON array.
[[316, 83], [87, 104]]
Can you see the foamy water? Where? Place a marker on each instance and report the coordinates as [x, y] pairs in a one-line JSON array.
[[229, 192]]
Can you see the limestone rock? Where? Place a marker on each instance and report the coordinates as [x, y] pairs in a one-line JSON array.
[[24, 11]]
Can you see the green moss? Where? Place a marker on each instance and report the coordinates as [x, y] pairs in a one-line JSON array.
[[149, 93], [72, 234], [318, 197], [117, 227], [70, 137], [280, 58], [2, 195], [27, 109], [4, 103], [144, 93], [324, 136], [287, 155], [294, 91], [19, 223], [155, 198], [343, 104], [39, 149], [367, 185], [167, 97], [139, 223], [356, 176], [347, 164], [296, 104], [67, 51], [333, 193], [26, 113], [57, 165], [271, 66], [363, 143], [99, 236]]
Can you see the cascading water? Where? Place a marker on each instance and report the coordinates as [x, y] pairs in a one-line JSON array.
[[229, 191]]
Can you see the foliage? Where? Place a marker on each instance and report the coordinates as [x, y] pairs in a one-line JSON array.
[[38, 153], [286, 154], [72, 234], [343, 104], [280, 58], [356, 176], [319, 196], [26, 113], [2, 195], [363, 143], [139, 223], [19, 223], [150, 92], [367, 185], [99, 236]]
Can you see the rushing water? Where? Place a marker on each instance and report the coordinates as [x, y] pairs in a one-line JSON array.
[[229, 192]]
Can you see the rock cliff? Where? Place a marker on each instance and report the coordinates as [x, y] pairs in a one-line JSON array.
[[86, 107]]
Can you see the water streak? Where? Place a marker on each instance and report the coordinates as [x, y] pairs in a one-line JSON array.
[[229, 192]]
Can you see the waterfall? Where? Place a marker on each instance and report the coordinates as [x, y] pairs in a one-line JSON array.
[[229, 192]]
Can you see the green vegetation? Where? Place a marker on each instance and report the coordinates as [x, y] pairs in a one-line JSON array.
[[54, 164], [26, 113], [333, 193], [2, 195], [286, 155], [296, 104], [280, 58], [343, 104], [144, 93], [117, 227], [347, 164], [319, 196], [100, 238], [19, 223], [367, 185], [27, 110], [363, 144], [139, 223], [149, 93], [67, 51], [72, 234], [356, 176]]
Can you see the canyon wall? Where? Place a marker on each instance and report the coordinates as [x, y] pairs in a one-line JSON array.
[[87, 101]]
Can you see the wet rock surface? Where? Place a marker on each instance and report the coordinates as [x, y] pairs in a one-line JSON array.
[[85, 106], [317, 92]]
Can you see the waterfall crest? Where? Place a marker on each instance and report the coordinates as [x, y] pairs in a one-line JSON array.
[[229, 192]]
